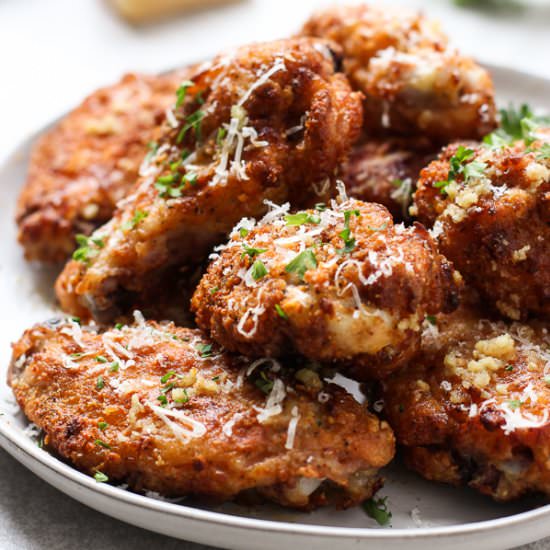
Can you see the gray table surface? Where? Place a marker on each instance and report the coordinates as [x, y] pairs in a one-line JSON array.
[[34, 515]]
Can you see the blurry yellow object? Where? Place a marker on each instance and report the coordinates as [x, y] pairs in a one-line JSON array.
[[142, 11]]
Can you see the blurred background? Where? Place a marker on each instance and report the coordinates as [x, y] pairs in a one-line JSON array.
[[53, 52]]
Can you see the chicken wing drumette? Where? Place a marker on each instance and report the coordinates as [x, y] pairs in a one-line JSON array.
[[340, 284], [473, 408], [385, 171], [81, 168], [412, 80], [272, 121], [489, 209], [162, 408]]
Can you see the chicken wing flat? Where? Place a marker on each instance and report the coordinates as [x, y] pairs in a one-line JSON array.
[[385, 171], [412, 80], [489, 209], [81, 168], [271, 121], [473, 408], [163, 409], [340, 284]]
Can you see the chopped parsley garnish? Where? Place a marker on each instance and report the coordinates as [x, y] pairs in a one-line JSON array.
[[543, 153], [509, 368], [258, 270], [214, 289], [345, 234], [100, 359], [220, 136], [264, 383], [138, 216], [377, 509], [102, 425], [216, 378], [515, 125], [100, 477], [397, 182], [461, 163], [181, 92], [167, 376], [101, 443], [163, 400], [301, 263], [88, 248], [152, 148], [76, 355], [280, 311], [168, 186], [320, 207], [114, 366], [76, 320], [100, 383], [205, 350], [243, 232], [167, 388], [252, 252], [193, 121], [300, 218], [179, 395], [431, 319], [514, 404], [119, 326]]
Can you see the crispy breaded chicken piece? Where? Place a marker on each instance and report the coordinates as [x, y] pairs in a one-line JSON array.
[[413, 81], [490, 213], [385, 171], [473, 408], [162, 408], [81, 168], [341, 284], [271, 121]]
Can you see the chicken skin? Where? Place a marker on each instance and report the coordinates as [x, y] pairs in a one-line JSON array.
[[473, 408], [489, 209], [163, 409], [413, 82], [271, 121], [81, 168], [340, 284], [385, 171]]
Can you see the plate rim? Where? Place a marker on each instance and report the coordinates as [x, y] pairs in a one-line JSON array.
[[11, 436]]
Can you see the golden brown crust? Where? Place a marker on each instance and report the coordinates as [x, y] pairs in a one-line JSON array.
[[413, 81], [361, 307], [472, 408], [227, 439], [81, 168], [385, 171], [495, 225], [287, 121]]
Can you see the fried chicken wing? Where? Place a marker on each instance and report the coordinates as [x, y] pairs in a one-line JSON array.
[[413, 81], [163, 409], [385, 171], [272, 121], [473, 408], [489, 209], [341, 284], [81, 168]]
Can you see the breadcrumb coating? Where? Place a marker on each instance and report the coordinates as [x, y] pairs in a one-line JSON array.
[[413, 81], [164, 409], [269, 121], [338, 284]]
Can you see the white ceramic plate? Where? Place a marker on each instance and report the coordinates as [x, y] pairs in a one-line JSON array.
[[423, 513]]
